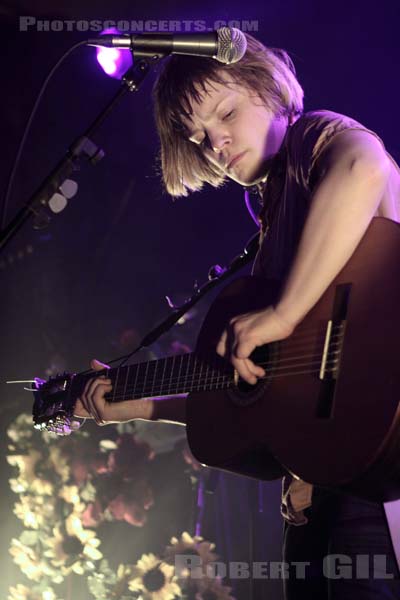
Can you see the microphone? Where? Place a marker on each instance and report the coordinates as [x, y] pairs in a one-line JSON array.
[[227, 44]]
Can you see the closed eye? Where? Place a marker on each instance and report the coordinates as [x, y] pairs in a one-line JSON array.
[[228, 115]]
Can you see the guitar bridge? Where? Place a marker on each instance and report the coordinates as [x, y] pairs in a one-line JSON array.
[[331, 354], [332, 350]]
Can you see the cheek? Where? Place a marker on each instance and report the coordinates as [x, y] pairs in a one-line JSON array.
[[254, 130], [262, 124], [264, 139]]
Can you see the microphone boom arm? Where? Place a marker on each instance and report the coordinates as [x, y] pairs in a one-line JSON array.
[[81, 147]]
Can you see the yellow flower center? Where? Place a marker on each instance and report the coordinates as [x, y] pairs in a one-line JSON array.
[[72, 545], [154, 580]]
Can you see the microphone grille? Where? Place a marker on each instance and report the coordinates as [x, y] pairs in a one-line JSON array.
[[232, 45]]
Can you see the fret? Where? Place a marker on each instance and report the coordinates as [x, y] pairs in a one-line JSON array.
[[213, 377], [194, 372], [137, 367], [172, 374], [206, 376], [167, 371], [179, 383], [149, 378], [162, 378], [211, 374], [189, 356], [223, 375], [219, 372], [144, 381], [154, 379], [126, 382], [114, 390], [176, 375], [178, 372], [216, 373], [198, 383]]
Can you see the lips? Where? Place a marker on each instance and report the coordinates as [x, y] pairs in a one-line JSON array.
[[234, 160]]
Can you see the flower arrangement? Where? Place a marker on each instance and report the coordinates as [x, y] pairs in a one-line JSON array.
[[67, 488]]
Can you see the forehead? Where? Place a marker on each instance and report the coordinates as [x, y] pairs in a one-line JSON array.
[[211, 90], [208, 96]]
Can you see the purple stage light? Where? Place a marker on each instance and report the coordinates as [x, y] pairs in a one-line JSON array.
[[114, 61]]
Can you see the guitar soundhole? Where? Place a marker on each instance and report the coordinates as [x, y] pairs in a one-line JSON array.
[[245, 394]]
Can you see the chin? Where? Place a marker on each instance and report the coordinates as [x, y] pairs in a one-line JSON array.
[[240, 180], [252, 176], [243, 177], [249, 180], [246, 174]]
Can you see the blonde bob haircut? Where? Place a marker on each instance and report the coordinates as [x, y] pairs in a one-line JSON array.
[[269, 72]]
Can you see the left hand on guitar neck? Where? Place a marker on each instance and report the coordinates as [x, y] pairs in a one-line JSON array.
[[92, 403], [246, 332]]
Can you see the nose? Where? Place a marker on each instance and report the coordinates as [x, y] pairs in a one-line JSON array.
[[218, 140]]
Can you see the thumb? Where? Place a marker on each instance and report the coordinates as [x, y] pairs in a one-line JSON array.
[[96, 365]]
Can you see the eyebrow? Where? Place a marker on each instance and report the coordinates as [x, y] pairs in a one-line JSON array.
[[213, 110]]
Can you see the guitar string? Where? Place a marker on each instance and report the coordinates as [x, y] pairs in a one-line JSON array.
[[295, 339], [278, 365], [194, 389], [61, 429], [219, 377], [223, 379], [227, 381], [216, 372], [214, 376], [334, 342]]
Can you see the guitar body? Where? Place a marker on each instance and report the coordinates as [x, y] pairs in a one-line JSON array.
[[336, 425]]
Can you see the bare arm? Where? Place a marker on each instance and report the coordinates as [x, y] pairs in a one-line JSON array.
[[354, 173]]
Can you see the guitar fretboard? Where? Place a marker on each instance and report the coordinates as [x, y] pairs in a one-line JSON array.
[[178, 374]]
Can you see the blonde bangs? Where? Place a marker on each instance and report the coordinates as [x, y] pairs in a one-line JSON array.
[[269, 72]]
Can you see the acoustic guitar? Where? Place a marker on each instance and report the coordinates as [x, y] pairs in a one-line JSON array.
[[327, 410]]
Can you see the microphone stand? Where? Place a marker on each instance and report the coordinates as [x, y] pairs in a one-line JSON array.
[[82, 147]]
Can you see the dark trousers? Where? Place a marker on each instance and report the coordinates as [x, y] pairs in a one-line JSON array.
[[344, 552]]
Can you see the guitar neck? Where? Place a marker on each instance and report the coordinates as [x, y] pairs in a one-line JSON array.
[[178, 374]]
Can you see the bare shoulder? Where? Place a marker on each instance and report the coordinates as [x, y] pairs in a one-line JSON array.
[[350, 145], [358, 145]]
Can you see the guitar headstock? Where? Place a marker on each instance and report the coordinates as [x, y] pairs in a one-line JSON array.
[[54, 404]]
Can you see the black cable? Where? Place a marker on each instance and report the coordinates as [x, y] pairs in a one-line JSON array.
[[26, 131]]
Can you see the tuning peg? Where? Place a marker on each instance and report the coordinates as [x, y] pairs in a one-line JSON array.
[[215, 272]]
